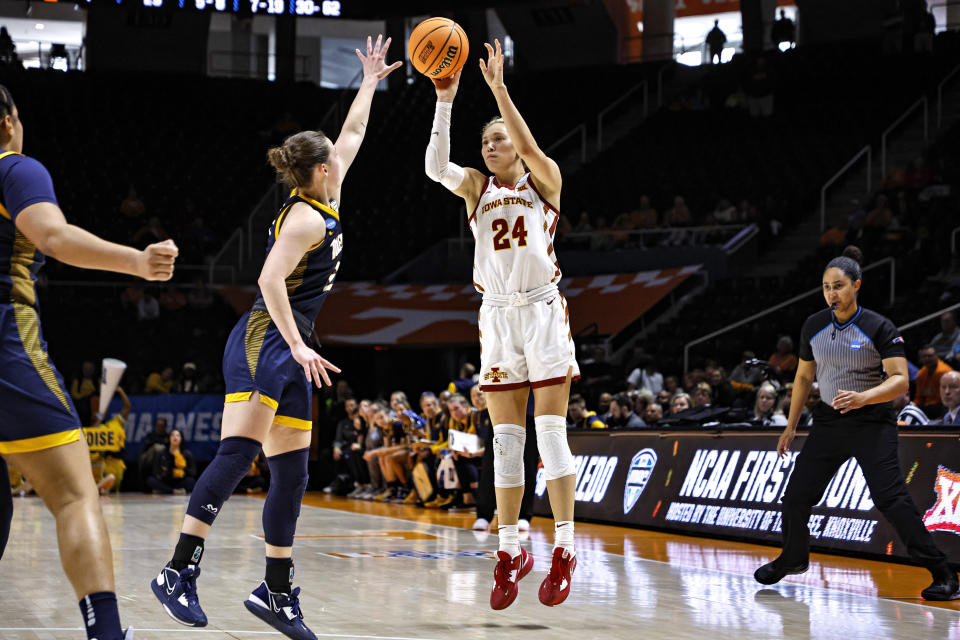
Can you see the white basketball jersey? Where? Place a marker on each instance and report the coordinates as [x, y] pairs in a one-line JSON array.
[[513, 227]]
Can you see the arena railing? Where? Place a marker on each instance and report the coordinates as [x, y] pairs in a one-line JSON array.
[[616, 103], [232, 249], [883, 137], [786, 303], [737, 233], [868, 151], [928, 317], [580, 129], [940, 86]]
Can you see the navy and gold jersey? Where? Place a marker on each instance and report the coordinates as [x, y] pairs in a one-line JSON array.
[[312, 279], [23, 182]]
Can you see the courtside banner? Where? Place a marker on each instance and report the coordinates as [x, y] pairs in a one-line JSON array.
[[731, 486], [196, 416]]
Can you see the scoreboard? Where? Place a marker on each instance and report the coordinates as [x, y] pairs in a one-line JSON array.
[[319, 8]]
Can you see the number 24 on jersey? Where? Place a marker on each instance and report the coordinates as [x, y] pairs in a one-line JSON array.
[[501, 240]]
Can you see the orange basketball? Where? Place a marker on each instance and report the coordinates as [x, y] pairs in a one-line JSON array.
[[438, 47]]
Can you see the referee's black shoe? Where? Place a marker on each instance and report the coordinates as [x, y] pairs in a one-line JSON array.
[[774, 572], [945, 585]]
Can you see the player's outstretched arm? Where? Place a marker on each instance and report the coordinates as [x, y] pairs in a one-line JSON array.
[[544, 169], [463, 181], [46, 227], [354, 127], [301, 231]]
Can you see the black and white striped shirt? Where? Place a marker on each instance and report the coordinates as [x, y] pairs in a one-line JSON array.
[[849, 356], [912, 415]]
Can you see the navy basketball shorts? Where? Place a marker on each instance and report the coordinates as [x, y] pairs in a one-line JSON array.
[[36, 411], [257, 358]]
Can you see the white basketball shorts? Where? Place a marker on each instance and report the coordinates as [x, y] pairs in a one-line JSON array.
[[526, 346]]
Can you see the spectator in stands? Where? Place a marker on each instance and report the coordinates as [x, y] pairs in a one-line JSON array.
[[721, 391], [641, 399], [598, 372], [909, 413], [256, 479], [760, 91], [583, 223], [477, 398], [715, 40], [171, 299], [465, 418], [174, 470], [783, 30], [132, 205], [148, 308], [653, 414], [645, 217], [763, 407], [150, 233], [153, 445], [345, 445], [645, 376], [579, 417], [950, 395], [813, 399], [746, 377], [837, 234], [703, 395], [465, 382], [946, 342], [160, 382], [691, 379], [681, 402], [8, 51], [671, 385], [106, 440], [784, 361], [676, 218], [663, 399], [601, 240], [189, 382], [622, 415], [928, 379], [603, 406], [199, 296], [82, 389], [725, 213]]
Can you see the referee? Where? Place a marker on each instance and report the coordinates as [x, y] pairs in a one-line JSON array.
[[857, 357]]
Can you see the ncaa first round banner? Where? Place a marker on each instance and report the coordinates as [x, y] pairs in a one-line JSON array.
[[731, 486]]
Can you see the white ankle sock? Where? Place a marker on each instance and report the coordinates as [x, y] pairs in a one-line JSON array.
[[509, 539], [563, 536]]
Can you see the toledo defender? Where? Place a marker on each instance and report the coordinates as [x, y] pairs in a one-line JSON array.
[[525, 335], [39, 427], [270, 366]]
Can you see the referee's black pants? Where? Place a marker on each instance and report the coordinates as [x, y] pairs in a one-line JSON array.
[[871, 439]]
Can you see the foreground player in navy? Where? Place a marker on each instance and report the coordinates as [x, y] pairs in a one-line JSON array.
[[39, 427], [857, 358], [270, 367]]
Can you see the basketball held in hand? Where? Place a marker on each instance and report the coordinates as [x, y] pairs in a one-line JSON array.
[[438, 47]]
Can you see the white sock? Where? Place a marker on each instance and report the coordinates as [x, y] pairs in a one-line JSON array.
[[509, 539], [563, 537]]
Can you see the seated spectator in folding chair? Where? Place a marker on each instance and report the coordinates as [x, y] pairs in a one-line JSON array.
[[426, 449], [578, 417], [106, 441], [395, 440], [466, 420], [344, 438], [174, 471], [256, 479], [372, 441]]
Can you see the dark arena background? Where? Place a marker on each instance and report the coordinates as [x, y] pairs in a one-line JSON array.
[[715, 154]]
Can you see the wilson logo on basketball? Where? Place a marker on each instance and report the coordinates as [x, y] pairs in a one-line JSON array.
[[425, 54], [944, 515], [447, 60], [495, 375]]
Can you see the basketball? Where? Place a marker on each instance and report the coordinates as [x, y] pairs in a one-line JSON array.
[[438, 47]]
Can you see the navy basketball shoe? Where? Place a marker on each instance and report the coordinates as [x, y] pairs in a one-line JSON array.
[[280, 611], [177, 592]]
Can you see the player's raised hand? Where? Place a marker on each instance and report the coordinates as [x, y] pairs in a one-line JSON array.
[[374, 63], [447, 87], [156, 261], [314, 366], [492, 69]]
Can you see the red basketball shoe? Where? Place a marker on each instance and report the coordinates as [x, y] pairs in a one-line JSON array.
[[506, 575], [556, 586]]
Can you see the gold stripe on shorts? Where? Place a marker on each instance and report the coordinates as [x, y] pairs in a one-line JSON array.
[[28, 326], [257, 325]]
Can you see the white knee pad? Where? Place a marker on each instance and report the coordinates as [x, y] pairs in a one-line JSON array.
[[554, 450], [508, 443]]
